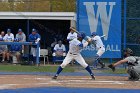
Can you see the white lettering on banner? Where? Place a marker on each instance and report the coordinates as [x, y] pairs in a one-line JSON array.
[[102, 13], [111, 48]]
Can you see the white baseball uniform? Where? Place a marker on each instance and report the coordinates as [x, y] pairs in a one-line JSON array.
[[9, 38], [74, 53], [99, 45], [60, 49], [71, 36]]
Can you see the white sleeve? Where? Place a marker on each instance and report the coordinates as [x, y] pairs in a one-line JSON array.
[[85, 44], [64, 48], [55, 48], [5, 37], [77, 42], [12, 36], [68, 37], [24, 37], [130, 59]]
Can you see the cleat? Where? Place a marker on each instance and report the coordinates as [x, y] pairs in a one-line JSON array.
[[112, 67], [103, 65], [92, 77], [55, 77]]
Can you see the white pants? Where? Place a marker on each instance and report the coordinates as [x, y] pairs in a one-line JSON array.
[[34, 50], [100, 51], [77, 57]]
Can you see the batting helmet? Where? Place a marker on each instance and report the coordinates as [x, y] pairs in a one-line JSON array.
[[93, 33], [81, 35]]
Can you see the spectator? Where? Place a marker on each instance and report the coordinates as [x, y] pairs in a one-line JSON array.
[[22, 37], [9, 37], [59, 50], [3, 48], [34, 37], [15, 51]]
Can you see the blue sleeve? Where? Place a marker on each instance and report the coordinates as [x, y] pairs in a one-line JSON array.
[[39, 36], [30, 38], [80, 45]]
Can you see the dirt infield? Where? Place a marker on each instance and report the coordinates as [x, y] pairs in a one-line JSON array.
[[30, 81]]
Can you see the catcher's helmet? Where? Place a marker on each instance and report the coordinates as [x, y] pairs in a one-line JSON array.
[[129, 51]]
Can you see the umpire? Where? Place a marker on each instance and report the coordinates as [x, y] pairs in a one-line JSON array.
[[133, 65]]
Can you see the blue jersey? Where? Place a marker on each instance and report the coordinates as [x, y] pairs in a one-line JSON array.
[[32, 38], [15, 47]]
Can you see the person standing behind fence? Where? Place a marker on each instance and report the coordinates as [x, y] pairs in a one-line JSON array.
[[34, 37], [9, 37], [3, 48], [21, 37]]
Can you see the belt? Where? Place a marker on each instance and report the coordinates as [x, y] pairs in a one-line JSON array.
[[73, 54]]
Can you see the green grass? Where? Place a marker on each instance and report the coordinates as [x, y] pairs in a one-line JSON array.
[[19, 68], [118, 71]]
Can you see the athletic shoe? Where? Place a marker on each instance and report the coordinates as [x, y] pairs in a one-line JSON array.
[[54, 77], [103, 65], [112, 67], [92, 77]]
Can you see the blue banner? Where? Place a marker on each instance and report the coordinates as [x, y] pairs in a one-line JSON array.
[[104, 18]]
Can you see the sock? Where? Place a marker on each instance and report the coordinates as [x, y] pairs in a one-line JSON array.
[[31, 57], [59, 70], [89, 70]]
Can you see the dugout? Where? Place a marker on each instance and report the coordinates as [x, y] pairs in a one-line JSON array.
[[50, 25]]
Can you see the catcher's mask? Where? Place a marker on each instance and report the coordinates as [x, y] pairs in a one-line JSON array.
[[128, 51]]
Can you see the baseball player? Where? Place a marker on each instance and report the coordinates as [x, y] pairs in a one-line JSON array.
[[133, 64], [9, 37], [3, 48], [59, 49], [74, 53], [34, 37], [21, 37], [100, 49], [72, 35]]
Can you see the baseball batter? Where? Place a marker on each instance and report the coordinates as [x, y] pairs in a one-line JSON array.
[[74, 53], [100, 48]]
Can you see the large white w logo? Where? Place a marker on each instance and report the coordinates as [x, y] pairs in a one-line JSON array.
[[102, 12]]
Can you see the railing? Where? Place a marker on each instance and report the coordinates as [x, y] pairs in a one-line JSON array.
[[24, 43]]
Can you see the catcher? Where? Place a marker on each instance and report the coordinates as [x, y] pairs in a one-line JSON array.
[[133, 64]]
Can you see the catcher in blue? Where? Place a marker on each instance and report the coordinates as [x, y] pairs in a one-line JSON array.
[[133, 65], [74, 53]]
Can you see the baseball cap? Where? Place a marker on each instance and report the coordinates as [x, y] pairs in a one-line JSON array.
[[8, 30], [34, 30], [19, 30]]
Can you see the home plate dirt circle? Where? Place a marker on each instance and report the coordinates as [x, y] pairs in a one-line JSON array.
[[30, 81]]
